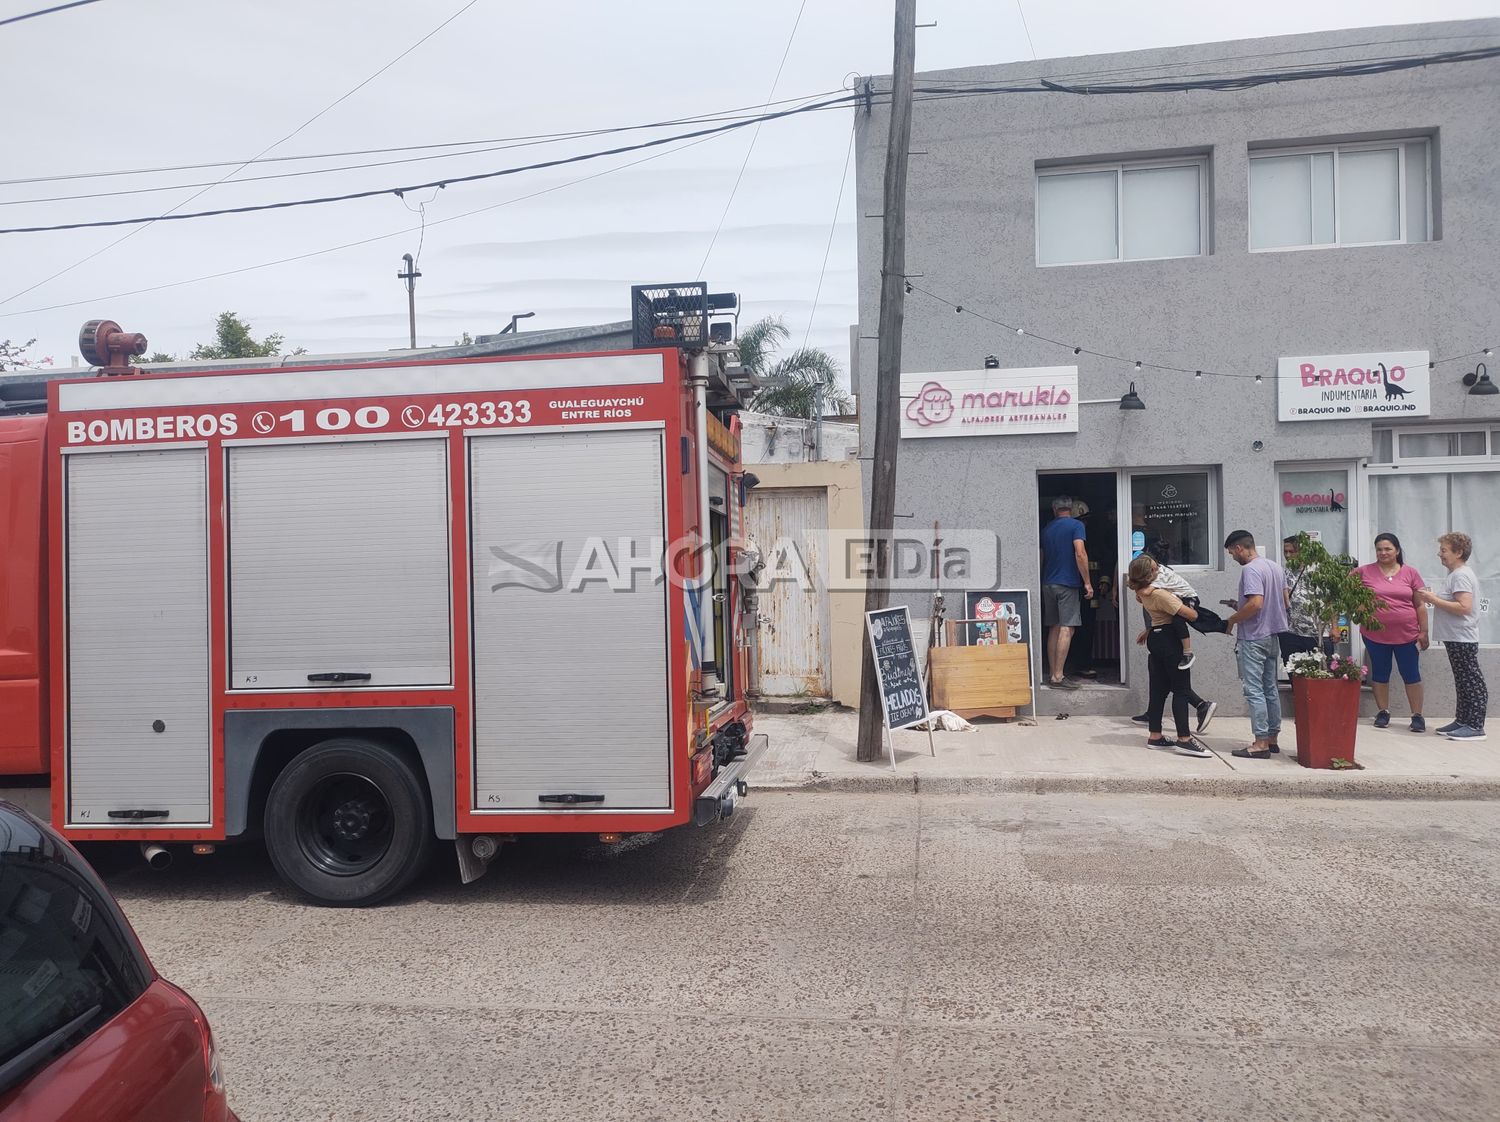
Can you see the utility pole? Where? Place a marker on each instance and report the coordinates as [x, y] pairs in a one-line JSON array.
[[410, 277], [888, 366]]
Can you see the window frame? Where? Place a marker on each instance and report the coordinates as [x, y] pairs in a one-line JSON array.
[[1212, 477], [1487, 429], [1472, 465], [1398, 143], [1119, 168]]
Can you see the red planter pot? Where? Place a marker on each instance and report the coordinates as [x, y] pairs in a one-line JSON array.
[[1327, 717]]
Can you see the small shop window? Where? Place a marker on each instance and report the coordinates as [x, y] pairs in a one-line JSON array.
[[1394, 446], [1172, 517]]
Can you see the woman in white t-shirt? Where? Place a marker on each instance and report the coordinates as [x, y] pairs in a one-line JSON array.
[[1455, 624]]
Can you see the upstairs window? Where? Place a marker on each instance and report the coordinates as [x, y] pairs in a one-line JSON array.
[[1121, 212], [1340, 195]]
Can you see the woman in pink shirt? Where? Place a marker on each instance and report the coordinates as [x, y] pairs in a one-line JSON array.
[[1403, 629]]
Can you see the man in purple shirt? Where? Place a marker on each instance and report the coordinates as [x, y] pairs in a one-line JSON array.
[[1262, 614]]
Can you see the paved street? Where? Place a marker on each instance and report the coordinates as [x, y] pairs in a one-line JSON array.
[[829, 957]]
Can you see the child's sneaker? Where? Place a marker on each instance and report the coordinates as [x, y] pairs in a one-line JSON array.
[[1187, 661], [1382, 719], [1417, 724]]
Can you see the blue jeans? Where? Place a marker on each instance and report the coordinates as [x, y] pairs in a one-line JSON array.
[[1257, 659]]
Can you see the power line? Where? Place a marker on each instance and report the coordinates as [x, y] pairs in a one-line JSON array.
[[832, 226], [504, 141], [1026, 29], [143, 224], [444, 182], [357, 243], [796, 23], [46, 11]]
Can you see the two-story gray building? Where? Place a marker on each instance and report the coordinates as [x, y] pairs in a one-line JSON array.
[[1300, 281]]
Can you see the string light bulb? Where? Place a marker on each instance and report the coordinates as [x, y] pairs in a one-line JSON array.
[[1137, 364], [1257, 379], [1078, 350], [958, 309], [1198, 374], [1486, 352], [908, 288], [1020, 331]]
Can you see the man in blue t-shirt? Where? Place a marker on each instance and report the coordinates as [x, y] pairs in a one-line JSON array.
[[1065, 585]]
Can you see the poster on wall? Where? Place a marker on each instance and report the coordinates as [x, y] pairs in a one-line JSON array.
[[1353, 387], [997, 616]]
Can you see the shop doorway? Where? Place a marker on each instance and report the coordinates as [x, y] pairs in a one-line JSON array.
[[1094, 655]]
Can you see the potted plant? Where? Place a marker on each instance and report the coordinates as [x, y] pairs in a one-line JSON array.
[[1325, 688]]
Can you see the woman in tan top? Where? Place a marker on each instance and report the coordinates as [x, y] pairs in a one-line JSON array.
[[1164, 649]]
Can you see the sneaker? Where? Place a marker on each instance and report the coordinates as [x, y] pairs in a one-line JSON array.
[[1449, 727], [1141, 719], [1206, 714], [1417, 724], [1063, 684], [1187, 661], [1161, 743], [1191, 748], [1382, 719], [1464, 732]]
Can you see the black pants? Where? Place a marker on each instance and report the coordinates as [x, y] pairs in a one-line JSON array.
[[1473, 695], [1178, 627], [1164, 651]]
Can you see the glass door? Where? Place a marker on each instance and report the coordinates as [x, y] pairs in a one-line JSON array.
[[1319, 498]]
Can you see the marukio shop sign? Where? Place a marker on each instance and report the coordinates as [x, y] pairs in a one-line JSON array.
[[990, 402], [1353, 387]]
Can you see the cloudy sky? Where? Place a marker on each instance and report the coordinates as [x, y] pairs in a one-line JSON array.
[[125, 85]]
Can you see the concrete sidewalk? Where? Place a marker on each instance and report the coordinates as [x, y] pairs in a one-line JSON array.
[[815, 751]]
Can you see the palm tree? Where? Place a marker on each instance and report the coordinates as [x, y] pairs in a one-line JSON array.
[[793, 381]]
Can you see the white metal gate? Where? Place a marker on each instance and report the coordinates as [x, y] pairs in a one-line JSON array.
[[570, 678], [791, 528], [138, 736]]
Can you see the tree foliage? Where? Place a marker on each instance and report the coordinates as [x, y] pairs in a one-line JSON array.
[[794, 378], [13, 355], [232, 339]]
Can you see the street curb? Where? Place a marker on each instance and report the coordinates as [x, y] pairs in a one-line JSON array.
[[1387, 787]]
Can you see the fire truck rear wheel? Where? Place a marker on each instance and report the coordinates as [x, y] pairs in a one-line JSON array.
[[348, 823]]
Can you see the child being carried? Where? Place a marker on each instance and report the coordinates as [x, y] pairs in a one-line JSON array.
[[1208, 622]]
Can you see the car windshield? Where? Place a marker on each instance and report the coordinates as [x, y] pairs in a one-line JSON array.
[[65, 968]]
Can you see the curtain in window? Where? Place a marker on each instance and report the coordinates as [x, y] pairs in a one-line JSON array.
[[1162, 216], [1076, 218]]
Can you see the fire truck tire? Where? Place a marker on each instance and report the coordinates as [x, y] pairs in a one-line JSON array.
[[348, 823]]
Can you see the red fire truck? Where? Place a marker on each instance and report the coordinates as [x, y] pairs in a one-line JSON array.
[[359, 610]]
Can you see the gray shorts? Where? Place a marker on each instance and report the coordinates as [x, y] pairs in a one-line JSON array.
[[1062, 605]]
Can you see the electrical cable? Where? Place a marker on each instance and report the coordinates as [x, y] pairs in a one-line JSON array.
[[832, 226], [146, 223], [1026, 28], [729, 202], [445, 182], [495, 144], [46, 11], [354, 244]]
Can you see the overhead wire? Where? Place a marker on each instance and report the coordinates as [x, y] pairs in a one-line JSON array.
[[827, 249], [470, 146], [446, 181], [755, 136], [147, 223], [357, 242], [46, 11]]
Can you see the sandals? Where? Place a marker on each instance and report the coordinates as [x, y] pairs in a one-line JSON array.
[[1252, 754]]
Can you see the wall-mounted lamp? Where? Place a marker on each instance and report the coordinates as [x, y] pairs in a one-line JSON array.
[[1128, 400], [1479, 382], [991, 362]]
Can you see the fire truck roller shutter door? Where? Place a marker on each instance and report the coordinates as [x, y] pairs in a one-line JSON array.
[[570, 674], [136, 591]]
